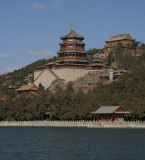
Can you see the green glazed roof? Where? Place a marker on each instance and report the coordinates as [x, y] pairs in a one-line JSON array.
[[72, 51], [79, 60]]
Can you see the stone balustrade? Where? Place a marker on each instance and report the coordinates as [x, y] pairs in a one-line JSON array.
[[86, 124]]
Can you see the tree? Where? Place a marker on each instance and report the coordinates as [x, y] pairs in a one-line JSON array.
[[134, 45], [41, 87], [110, 59], [142, 46], [93, 51]]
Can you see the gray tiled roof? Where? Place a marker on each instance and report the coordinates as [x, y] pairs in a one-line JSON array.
[[108, 110]]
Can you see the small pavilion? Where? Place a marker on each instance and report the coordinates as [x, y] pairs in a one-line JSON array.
[[3, 98], [111, 113], [27, 89]]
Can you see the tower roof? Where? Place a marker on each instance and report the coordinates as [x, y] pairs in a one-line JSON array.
[[68, 51], [120, 37], [72, 34]]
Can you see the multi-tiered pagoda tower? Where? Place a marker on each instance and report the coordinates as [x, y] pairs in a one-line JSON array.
[[72, 53], [72, 49], [71, 62]]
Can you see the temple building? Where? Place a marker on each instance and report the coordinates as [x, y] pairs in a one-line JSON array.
[[110, 113], [111, 44], [3, 98], [71, 62], [27, 89]]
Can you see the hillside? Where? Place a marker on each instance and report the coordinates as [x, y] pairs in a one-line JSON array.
[[128, 91], [21, 76]]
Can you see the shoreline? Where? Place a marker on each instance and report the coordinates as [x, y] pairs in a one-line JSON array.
[[79, 124]]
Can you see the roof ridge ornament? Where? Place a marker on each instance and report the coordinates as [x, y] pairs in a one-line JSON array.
[[72, 29]]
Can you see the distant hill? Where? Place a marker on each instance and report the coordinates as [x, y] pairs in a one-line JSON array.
[[20, 74], [18, 77]]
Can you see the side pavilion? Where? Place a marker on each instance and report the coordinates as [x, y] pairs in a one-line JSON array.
[[111, 113], [30, 89]]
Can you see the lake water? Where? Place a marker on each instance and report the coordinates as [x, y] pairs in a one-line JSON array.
[[71, 144]]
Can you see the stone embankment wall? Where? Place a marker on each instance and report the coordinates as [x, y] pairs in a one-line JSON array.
[[80, 76], [86, 124], [46, 77]]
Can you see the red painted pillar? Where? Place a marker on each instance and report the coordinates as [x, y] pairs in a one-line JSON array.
[[116, 118], [112, 118], [94, 118]]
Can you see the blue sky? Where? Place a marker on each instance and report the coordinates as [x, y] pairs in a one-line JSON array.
[[31, 29]]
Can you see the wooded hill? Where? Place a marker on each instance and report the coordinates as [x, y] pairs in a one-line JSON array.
[[128, 91], [18, 76]]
